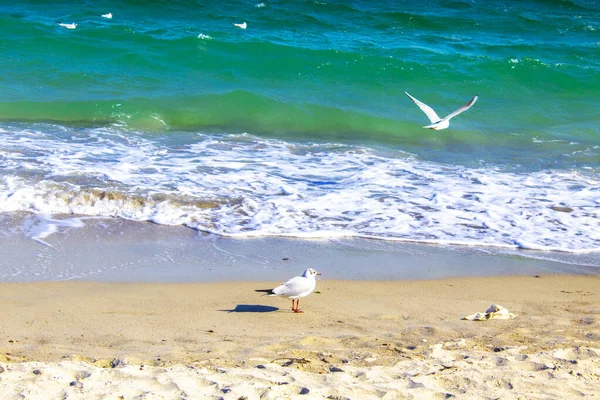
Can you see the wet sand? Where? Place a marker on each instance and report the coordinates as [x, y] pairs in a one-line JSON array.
[[113, 250]]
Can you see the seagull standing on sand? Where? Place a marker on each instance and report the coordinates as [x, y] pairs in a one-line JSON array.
[[438, 123], [242, 25], [299, 286], [68, 26], [109, 15]]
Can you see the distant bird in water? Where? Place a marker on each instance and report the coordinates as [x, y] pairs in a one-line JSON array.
[[294, 288], [109, 15], [438, 123], [242, 25], [68, 26]]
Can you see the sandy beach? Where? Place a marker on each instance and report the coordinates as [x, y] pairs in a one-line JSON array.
[[356, 339], [162, 169]]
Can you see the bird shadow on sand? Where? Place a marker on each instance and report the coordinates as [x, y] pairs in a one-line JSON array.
[[252, 308]]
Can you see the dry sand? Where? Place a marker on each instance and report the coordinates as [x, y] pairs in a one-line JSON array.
[[356, 339]]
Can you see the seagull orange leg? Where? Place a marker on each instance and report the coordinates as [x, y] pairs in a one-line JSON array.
[[298, 310]]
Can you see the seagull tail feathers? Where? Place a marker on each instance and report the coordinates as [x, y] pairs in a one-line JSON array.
[[268, 292]]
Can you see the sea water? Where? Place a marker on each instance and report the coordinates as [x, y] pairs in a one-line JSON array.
[[298, 126]]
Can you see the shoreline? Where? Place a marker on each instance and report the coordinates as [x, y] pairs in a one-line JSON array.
[[366, 338], [115, 250]]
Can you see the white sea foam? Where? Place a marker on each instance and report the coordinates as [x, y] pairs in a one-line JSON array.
[[46, 225], [239, 185]]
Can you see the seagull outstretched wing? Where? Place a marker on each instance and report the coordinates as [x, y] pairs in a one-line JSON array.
[[460, 110], [432, 115]]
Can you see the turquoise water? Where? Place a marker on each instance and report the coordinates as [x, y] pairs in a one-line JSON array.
[[299, 126]]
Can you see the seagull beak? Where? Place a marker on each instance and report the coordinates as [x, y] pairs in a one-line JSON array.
[[318, 273]]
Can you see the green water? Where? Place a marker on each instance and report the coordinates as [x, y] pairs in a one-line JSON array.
[[309, 70]]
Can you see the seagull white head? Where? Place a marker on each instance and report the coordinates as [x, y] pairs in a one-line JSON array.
[[438, 123], [242, 25], [310, 272]]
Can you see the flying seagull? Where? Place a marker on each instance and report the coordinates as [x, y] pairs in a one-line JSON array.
[[294, 288], [68, 26], [109, 15], [243, 25], [438, 123]]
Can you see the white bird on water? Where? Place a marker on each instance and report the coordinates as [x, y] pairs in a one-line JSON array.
[[68, 26], [294, 288], [438, 123], [242, 25], [109, 15]]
